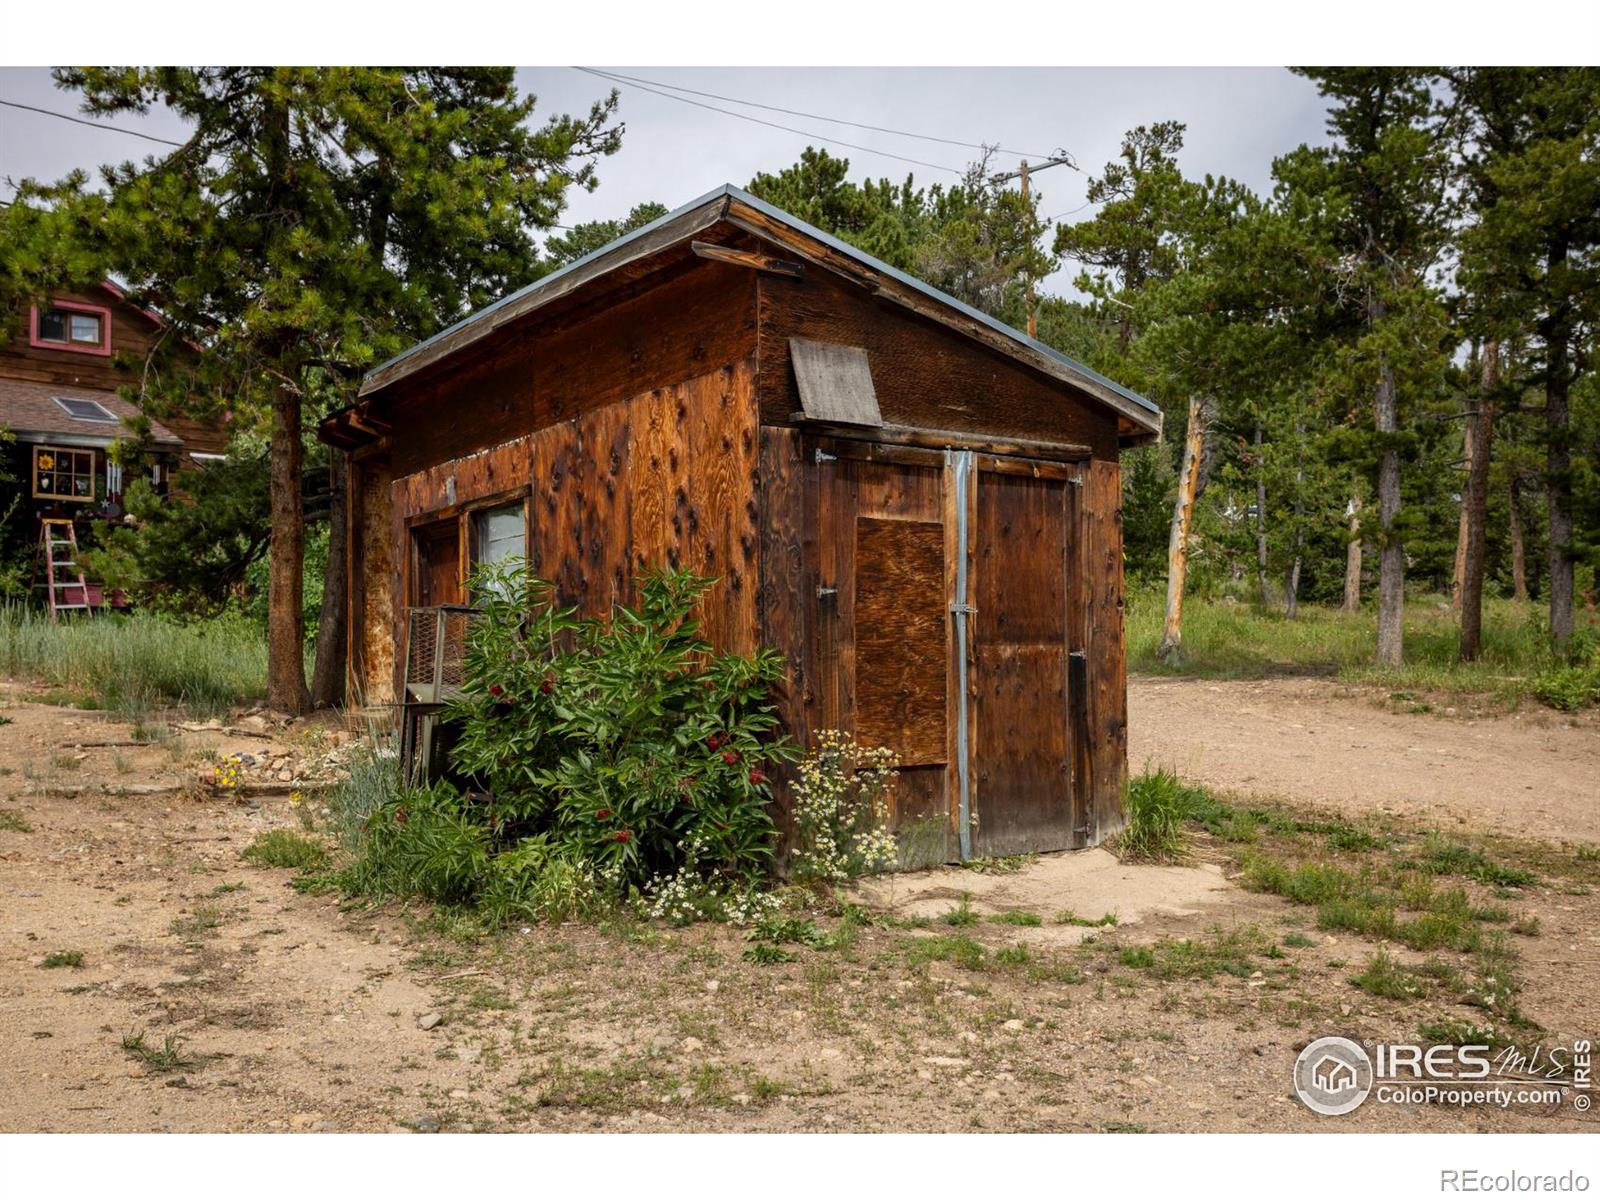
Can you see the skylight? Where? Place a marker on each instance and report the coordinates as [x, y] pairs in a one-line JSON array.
[[86, 410]]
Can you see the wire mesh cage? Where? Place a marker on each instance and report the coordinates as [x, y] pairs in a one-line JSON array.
[[436, 651]]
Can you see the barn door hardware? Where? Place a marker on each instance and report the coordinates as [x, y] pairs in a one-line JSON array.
[[823, 456], [958, 465], [826, 591]]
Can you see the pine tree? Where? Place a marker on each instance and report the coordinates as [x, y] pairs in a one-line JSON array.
[[1389, 165], [1531, 259], [314, 222]]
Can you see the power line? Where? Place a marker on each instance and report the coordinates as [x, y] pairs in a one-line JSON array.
[[794, 112], [149, 137], [770, 124]]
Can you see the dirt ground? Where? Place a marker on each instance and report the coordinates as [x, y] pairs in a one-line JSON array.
[[292, 1012], [1533, 773]]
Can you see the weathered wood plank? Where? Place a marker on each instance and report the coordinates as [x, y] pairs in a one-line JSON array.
[[1108, 676], [834, 382]]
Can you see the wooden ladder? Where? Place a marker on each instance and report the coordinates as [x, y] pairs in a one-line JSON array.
[[50, 542]]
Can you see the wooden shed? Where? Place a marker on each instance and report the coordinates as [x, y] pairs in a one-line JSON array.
[[919, 506]]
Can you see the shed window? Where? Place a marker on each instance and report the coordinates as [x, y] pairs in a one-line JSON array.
[[60, 474], [499, 534]]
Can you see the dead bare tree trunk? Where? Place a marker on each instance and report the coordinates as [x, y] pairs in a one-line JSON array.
[[1475, 505], [328, 672], [1261, 521], [1182, 516], [1352, 558], [1519, 550], [286, 664]]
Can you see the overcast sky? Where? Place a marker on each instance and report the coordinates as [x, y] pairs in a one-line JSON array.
[[1238, 120]]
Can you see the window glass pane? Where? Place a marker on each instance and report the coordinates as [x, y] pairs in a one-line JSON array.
[[85, 328], [498, 534], [53, 326]]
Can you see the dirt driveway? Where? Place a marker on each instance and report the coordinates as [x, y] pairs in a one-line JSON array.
[[1534, 773], [199, 992]]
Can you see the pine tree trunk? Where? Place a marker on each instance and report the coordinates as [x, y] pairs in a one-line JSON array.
[[328, 673], [1391, 553], [1291, 597], [1475, 506], [1178, 539], [1469, 450], [1557, 333], [1519, 550], [1261, 521], [1352, 560], [286, 665]]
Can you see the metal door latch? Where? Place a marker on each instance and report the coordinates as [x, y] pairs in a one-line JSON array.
[[826, 591], [823, 456], [965, 610]]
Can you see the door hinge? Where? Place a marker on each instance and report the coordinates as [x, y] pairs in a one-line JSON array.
[[1075, 480], [826, 591], [823, 456]]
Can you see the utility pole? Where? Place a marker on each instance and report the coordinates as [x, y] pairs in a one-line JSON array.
[[1061, 158]]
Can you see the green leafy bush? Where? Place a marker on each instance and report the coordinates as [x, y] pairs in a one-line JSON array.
[[592, 756]]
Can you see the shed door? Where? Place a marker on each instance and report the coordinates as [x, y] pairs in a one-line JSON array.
[[1028, 684], [882, 624], [893, 610]]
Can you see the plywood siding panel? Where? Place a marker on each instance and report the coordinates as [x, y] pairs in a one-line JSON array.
[[530, 377], [1107, 664], [900, 648]]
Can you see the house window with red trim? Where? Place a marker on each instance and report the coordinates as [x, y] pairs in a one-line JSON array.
[[65, 325]]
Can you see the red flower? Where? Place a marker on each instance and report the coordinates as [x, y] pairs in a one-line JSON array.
[[621, 835], [602, 814], [400, 815], [496, 690], [713, 741], [730, 757], [548, 685], [757, 776]]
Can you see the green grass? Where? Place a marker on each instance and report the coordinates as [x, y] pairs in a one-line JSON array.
[[202, 920], [280, 848], [63, 958], [1223, 640], [134, 664], [1017, 918], [1157, 805], [166, 1057], [13, 822], [1067, 917], [1386, 977]]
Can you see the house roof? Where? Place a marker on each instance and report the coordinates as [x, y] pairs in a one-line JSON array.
[[806, 241], [30, 411]]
